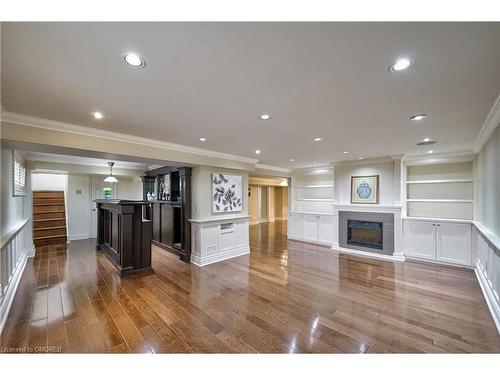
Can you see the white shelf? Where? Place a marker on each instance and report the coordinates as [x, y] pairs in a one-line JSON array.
[[312, 212], [447, 181], [446, 220], [441, 200], [312, 186], [315, 199]]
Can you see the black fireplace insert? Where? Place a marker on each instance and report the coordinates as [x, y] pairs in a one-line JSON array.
[[365, 233]]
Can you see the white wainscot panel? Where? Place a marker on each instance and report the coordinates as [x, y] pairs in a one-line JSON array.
[[215, 240], [487, 267], [295, 226]]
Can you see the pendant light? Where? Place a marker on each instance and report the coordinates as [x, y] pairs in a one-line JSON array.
[[110, 178]]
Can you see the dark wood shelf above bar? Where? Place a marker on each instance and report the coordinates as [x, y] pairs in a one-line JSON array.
[[170, 218]]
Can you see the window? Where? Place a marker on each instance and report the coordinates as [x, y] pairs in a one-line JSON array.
[[19, 176]]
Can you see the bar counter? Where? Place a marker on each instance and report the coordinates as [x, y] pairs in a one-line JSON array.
[[123, 235]]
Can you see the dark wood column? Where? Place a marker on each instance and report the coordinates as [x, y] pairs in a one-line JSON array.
[[171, 226], [185, 188]]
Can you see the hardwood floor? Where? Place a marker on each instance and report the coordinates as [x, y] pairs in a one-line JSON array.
[[285, 297]]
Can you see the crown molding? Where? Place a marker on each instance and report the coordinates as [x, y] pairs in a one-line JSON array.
[[37, 122], [382, 159], [439, 158], [489, 126], [272, 168]]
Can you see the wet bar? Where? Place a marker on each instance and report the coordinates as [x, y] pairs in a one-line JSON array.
[[123, 234]]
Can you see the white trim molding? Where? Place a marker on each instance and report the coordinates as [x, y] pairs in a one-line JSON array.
[[489, 126], [457, 157], [396, 257]]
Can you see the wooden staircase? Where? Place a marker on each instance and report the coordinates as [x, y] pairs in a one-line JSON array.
[[49, 218]]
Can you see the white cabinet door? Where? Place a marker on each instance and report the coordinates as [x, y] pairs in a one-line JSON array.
[[325, 229], [310, 228], [454, 243], [296, 226], [420, 239]]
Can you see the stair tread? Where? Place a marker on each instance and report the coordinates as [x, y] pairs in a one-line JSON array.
[[50, 219], [48, 212], [49, 204], [49, 237], [46, 228]]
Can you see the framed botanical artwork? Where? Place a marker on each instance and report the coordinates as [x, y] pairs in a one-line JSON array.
[[364, 189], [226, 193]]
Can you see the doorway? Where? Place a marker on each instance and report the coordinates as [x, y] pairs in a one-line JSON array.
[[267, 200]]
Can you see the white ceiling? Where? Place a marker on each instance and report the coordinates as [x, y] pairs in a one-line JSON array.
[[212, 80]]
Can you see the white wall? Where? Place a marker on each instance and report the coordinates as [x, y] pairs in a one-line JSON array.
[[13, 209], [45, 181], [488, 184], [253, 204], [201, 192], [79, 207], [385, 170], [129, 188]]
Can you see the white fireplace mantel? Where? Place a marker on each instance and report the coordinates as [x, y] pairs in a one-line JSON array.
[[398, 228]]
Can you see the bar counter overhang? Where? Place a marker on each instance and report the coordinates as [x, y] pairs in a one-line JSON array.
[[123, 234]]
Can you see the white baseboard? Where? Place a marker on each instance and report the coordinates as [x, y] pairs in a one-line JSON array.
[[78, 236], [396, 257], [236, 252], [329, 244], [489, 296], [10, 292], [438, 262], [31, 253]]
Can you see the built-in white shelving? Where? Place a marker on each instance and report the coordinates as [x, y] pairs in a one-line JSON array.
[[441, 200], [313, 186], [312, 190], [448, 181], [440, 190], [315, 200]]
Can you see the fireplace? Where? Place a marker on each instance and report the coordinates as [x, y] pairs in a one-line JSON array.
[[365, 233]]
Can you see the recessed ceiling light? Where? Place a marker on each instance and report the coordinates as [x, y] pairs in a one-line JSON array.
[[97, 115], [400, 64], [292, 160], [418, 117], [265, 116], [360, 158], [430, 151], [203, 139], [257, 152], [345, 152], [134, 60], [426, 142], [318, 139]]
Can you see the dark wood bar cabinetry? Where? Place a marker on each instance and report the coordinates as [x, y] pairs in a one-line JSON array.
[[170, 213], [123, 234]]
